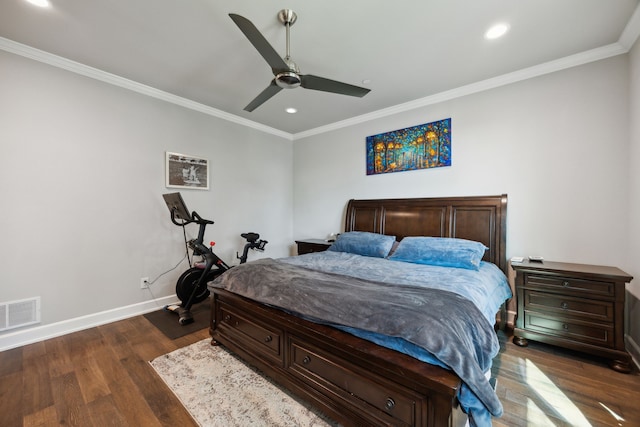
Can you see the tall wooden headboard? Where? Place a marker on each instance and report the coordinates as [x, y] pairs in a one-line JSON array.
[[479, 218]]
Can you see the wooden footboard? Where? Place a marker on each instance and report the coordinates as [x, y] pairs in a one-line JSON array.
[[353, 381]]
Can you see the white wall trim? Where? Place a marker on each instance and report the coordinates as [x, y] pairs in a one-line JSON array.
[[628, 37], [103, 76], [26, 336], [631, 31], [514, 77]]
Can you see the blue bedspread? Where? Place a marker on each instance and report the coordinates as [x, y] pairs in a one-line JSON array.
[[394, 313]]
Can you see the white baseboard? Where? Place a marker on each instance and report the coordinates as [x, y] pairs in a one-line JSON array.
[[26, 336], [634, 350]]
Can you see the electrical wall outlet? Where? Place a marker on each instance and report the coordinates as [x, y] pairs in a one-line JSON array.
[[144, 283]]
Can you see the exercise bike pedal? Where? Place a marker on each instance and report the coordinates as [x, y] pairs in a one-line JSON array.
[[172, 308], [185, 315]]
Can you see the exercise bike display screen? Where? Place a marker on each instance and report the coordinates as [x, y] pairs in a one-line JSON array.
[[176, 205]]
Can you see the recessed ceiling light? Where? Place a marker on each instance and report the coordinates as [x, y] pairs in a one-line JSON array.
[[40, 3], [366, 81], [291, 110], [496, 31]]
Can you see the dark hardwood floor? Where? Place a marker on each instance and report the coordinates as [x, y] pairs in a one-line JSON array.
[[542, 385], [96, 377], [100, 377]]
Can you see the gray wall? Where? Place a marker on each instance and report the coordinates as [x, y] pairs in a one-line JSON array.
[[82, 178], [563, 146], [556, 144], [83, 172]]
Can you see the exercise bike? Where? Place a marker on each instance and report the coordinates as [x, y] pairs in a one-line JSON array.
[[191, 287]]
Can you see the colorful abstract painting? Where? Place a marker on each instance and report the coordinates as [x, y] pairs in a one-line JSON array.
[[418, 147]]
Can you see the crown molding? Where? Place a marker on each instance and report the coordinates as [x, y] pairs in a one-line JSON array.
[[631, 32], [627, 39], [604, 52], [113, 79]]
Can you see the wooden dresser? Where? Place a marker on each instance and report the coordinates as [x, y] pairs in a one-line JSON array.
[[576, 306], [306, 246]]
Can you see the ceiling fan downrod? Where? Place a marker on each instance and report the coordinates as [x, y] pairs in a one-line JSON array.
[[288, 79]]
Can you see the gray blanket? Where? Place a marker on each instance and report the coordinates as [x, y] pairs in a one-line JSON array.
[[447, 325]]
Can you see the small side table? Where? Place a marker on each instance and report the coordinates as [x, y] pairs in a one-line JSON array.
[[576, 306], [306, 246]]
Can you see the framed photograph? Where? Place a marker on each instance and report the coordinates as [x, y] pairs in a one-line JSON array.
[[184, 171], [417, 147]]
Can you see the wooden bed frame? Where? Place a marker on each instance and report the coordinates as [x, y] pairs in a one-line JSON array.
[[354, 381]]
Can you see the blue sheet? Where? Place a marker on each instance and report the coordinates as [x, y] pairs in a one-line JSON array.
[[487, 288]]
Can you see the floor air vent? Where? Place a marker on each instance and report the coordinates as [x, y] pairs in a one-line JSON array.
[[15, 314]]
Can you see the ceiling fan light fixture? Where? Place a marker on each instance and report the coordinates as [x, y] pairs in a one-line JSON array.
[[288, 80]]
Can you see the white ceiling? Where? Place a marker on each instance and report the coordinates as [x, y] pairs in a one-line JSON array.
[[410, 50]]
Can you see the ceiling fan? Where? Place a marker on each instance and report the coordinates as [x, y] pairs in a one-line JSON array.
[[286, 72]]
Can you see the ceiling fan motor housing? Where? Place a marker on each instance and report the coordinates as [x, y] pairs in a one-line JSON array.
[[288, 80]]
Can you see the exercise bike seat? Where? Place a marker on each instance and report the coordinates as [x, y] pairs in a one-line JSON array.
[[250, 237]]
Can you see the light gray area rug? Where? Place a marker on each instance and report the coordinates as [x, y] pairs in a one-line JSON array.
[[220, 390]]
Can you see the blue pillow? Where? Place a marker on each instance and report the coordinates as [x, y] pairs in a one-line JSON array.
[[363, 243], [442, 251]]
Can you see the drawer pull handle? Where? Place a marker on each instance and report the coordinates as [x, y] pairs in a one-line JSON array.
[[227, 317], [564, 305], [390, 403], [565, 283], [268, 338], [306, 360], [565, 326]]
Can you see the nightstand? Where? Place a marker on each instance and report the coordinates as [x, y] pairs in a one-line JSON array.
[[576, 306], [306, 246]]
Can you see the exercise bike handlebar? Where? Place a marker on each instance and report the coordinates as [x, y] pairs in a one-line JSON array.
[[194, 218], [253, 242]]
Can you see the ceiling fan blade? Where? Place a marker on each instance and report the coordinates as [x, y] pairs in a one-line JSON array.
[[264, 96], [327, 85], [258, 41]]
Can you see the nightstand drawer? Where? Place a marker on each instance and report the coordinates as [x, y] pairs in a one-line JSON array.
[[572, 329], [594, 310], [312, 245], [570, 284]]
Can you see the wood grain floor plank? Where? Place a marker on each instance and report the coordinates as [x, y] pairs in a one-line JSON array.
[[46, 417], [101, 377], [70, 406], [103, 412], [542, 384], [36, 383], [10, 361], [91, 379], [59, 360], [158, 396], [125, 392], [11, 399]]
